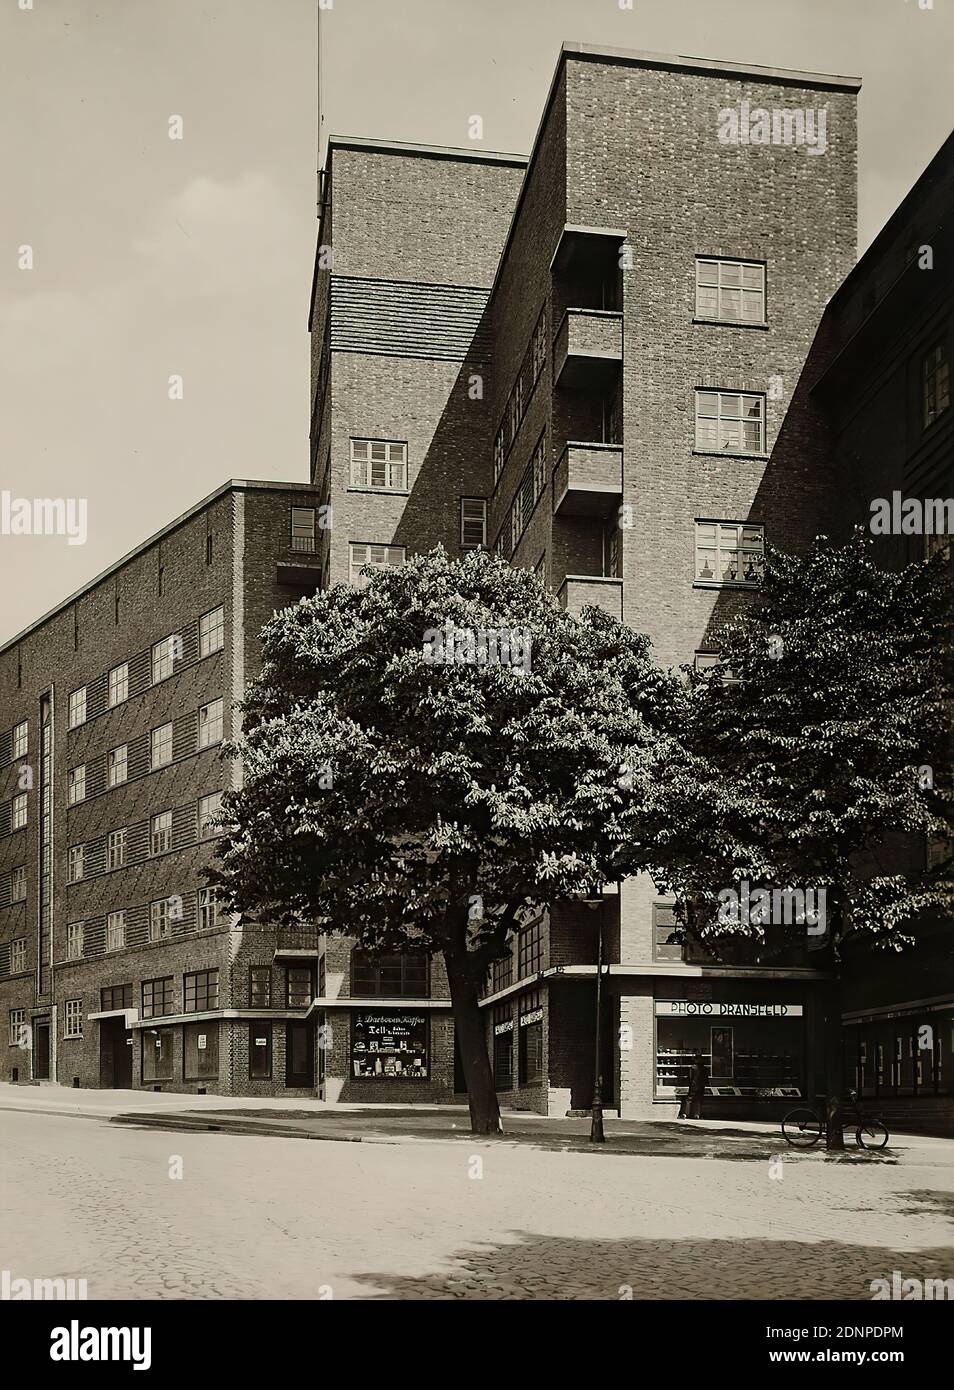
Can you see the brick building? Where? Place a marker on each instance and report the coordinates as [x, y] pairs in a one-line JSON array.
[[605, 363]]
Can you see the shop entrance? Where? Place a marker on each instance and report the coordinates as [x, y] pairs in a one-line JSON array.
[[115, 1054], [299, 1055], [41, 1050]]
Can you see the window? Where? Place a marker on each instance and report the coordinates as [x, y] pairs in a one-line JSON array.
[[21, 739], [160, 919], [116, 848], [157, 998], [299, 986], [115, 997], [210, 724], [503, 1047], [378, 463], [201, 990], [398, 975], [18, 883], [260, 986], [730, 422], [612, 550], [200, 1051], [18, 811], [157, 1054], [501, 973], [259, 1051], [538, 344], [118, 685], [117, 763], [212, 631], [473, 522], [538, 466], [666, 946], [498, 453], [78, 707], [74, 940], [209, 807], [378, 556], [160, 751], [209, 908], [530, 949], [731, 290], [936, 383], [160, 833], [728, 552], [77, 784], [115, 931], [74, 1019], [530, 1040], [18, 1025], [303, 529], [164, 655], [76, 863], [18, 955]]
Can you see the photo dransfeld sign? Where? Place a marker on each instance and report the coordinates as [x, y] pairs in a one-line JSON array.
[[705, 1008]]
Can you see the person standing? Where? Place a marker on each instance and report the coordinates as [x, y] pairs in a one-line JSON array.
[[691, 1108]]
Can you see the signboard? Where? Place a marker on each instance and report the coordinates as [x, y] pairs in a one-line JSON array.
[[698, 1008], [200, 1041], [534, 1016], [389, 1045]]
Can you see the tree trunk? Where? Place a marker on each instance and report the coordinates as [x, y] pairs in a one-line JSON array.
[[471, 1041], [834, 1068]]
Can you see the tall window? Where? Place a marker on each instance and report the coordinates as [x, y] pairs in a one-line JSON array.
[[728, 552], [74, 940], [157, 998], [119, 685], [732, 290], [78, 707], [160, 747], [164, 655], [501, 973], [210, 724], [379, 556], [299, 986], [209, 908], [303, 529], [17, 1026], [76, 790], [397, 975], [378, 463], [259, 1051], [260, 986], [201, 991], [730, 422], [18, 811], [76, 863], [74, 1019], [160, 833], [18, 955], [160, 920], [503, 1046], [473, 522], [530, 1042], [530, 949], [498, 453], [21, 739], [538, 344], [116, 848], [209, 807], [936, 383], [212, 631], [18, 883], [117, 763], [115, 931]]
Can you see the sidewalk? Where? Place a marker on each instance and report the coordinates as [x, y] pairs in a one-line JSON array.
[[389, 1124]]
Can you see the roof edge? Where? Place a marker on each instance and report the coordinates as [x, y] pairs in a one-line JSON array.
[[715, 66]]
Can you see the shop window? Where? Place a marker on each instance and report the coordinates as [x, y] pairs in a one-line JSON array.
[[157, 1054], [503, 1047], [749, 1056], [259, 1051], [530, 1040], [389, 1046], [200, 1051]]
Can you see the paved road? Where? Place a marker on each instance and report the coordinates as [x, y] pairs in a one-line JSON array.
[[284, 1218]]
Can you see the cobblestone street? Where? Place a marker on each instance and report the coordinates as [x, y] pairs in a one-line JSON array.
[[257, 1217]]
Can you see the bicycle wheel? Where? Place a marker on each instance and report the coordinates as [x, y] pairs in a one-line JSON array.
[[802, 1128], [871, 1134]]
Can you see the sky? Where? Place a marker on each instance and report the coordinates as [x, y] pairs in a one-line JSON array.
[[155, 258]]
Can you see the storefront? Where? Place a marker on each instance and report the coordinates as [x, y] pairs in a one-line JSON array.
[[392, 1045], [752, 1049], [902, 1053]]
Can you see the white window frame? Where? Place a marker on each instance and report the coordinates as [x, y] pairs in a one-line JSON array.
[[118, 684], [17, 1024], [160, 833], [727, 402], [377, 555], [162, 662], [76, 785], [74, 940], [160, 729], [208, 907], [212, 631], [499, 453], [211, 723], [160, 922], [389, 467], [76, 864], [538, 344], [205, 832], [117, 765], [477, 507], [18, 812], [77, 707], [117, 843], [18, 955], [719, 272], [720, 539], [302, 533], [935, 383], [116, 930], [72, 1018], [21, 739], [18, 883]]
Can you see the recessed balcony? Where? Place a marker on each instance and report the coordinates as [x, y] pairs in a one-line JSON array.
[[579, 591], [588, 348], [588, 479]]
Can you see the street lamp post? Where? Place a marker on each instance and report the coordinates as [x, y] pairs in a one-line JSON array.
[[596, 1123]]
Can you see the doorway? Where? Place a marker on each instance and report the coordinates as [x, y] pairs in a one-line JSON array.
[[115, 1054], [299, 1055], [41, 1050]]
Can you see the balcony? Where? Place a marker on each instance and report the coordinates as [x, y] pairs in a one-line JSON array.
[[588, 480], [588, 349], [579, 591]]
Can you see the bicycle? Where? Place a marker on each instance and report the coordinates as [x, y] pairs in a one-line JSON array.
[[802, 1128]]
